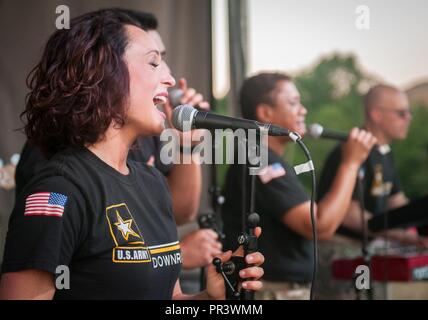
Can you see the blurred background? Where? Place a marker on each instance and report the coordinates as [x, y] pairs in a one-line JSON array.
[[334, 61], [334, 49]]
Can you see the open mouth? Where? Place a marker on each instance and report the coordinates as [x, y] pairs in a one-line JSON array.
[[160, 99]]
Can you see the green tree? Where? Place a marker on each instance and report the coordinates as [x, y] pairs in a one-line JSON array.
[[331, 92]]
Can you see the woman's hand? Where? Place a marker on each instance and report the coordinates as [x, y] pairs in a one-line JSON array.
[[199, 248], [215, 282], [192, 97]]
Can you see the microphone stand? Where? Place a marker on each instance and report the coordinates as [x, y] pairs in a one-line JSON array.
[[364, 232], [250, 220], [210, 220]]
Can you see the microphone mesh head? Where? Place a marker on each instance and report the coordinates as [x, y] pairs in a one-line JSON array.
[[181, 115], [315, 130], [175, 96]]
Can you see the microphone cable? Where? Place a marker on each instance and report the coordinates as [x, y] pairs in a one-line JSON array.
[[309, 166]]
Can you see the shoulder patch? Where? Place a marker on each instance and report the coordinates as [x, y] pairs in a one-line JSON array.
[[271, 172], [45, 204]]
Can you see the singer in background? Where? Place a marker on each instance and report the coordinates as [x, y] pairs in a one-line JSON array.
[[198, 247], [280, 200], [106, 219], [387, 117]]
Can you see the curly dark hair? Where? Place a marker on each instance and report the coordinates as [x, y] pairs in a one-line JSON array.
[[81, 84], [259, 89]]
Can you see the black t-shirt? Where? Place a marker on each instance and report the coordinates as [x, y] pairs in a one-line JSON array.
[[147, 150], [380, 180], [289, 256], [32, 160], [116, 233]]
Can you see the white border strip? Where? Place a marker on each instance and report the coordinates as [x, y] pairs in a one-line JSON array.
[[164, 245]]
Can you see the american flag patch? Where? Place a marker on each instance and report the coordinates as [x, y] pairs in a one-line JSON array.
[[45, 204], [271, 172]]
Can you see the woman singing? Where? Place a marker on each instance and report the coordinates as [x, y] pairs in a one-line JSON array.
[[90, 224]]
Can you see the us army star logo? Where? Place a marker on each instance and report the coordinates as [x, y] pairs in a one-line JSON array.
[[124, 227]]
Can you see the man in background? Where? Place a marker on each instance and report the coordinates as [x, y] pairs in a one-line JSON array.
[[388, 118]]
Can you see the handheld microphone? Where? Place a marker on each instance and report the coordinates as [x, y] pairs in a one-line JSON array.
[[318, 131], [175, 96], [205, 120]]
